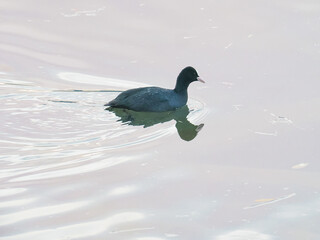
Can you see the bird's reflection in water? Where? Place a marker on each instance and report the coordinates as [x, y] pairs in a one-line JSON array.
[[186, 130]]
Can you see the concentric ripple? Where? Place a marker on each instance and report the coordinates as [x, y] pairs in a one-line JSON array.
[[51, 133]]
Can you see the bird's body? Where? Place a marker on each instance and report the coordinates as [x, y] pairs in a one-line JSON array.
[[159, 99], [156, 99]]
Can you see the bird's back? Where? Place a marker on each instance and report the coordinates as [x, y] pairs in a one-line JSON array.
[[148, 99]]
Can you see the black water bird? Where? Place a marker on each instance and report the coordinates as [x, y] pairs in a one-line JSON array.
[[156, 99]]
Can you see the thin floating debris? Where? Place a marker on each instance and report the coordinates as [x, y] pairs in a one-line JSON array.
[[267, 201], [87, 13], [280, 119], [300, 165], [229, 45], [62, 101], [189, 37], [267, 134]]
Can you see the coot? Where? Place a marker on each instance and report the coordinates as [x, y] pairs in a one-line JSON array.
[[156, 99]]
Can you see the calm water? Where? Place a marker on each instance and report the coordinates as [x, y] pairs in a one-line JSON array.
[[240, 162]]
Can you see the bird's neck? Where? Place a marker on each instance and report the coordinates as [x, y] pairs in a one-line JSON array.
[[181, 86]]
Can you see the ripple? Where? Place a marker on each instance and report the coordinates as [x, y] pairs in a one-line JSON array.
[[96, 80], [49, 133], [51, 171], [11, 191], [79, 230], [15, 203], [38, 212]]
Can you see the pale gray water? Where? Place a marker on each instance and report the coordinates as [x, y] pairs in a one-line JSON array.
[[71, 170]]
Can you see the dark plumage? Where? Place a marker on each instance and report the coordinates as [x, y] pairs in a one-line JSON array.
[[156, 99]]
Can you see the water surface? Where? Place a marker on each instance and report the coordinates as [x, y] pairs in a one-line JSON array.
[[241, 161]]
